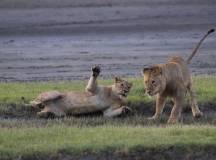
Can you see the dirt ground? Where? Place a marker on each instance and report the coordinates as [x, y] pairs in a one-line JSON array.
[[137, 117], [61, 42], [138, 153]]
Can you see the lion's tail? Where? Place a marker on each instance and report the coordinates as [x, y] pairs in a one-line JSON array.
[[198, 45]]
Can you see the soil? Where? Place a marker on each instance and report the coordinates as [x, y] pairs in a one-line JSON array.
[[42, 43], [138, 153], [138, 116]]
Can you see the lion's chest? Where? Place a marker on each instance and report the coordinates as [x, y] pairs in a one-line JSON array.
[[170, 90], [99, 101]]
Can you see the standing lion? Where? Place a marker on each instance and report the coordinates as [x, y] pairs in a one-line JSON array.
[[172, 79], [108, 99]]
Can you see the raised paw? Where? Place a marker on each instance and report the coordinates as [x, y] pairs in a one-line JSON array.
[[96, 70]]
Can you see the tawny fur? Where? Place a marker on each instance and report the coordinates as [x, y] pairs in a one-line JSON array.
[[172, 79], [108, 99]]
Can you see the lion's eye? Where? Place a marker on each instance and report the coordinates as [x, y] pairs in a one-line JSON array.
[[122, 84], [153, 82]]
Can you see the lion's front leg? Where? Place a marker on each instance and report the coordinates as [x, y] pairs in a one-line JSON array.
[[160, 102], [92, 83], [176, 110], [113, 112]]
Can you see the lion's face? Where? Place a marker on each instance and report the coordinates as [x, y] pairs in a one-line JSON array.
[[122, 87], [153, 80]]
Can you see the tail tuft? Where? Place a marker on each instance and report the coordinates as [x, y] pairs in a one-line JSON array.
[[198, 45], [211, 30]]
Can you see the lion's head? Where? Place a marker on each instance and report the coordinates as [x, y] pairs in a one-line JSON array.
[[121, 87], [153, 80]]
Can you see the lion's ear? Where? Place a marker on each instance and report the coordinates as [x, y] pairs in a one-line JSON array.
[[156, 70], [145, 70], [117, 79]]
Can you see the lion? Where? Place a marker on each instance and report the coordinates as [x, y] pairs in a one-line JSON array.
[[110, 100], [172, 79]]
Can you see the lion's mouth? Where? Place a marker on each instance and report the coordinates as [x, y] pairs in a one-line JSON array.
[[124, 94], [150, 93]]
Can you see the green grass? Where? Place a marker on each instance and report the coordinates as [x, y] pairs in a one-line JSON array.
[[27, 141], [206, 88], [13, 92], [28, 137]]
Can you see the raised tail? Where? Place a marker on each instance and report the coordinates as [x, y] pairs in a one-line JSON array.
[[198, 45]]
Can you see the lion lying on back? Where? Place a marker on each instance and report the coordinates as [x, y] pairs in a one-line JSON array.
[[108, 99], [172, 79]]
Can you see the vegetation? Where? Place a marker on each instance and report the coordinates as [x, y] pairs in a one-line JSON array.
[[27, 136], [50, 140], [18, 92]]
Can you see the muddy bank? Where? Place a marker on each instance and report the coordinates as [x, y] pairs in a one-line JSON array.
[[139, 153], [20, 115], [48, 43]]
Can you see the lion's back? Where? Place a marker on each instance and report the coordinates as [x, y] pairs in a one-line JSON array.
[[181, 69], [45, 97]]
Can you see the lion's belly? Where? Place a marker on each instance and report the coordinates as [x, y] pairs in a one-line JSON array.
[[78, 103]]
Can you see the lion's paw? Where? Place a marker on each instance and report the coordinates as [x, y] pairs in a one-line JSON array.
[[153, 118], [173, 121], [198, 115], [96, 70]]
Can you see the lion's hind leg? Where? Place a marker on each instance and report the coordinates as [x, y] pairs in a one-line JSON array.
[[51, 112], [194, 106], [45, 114]]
